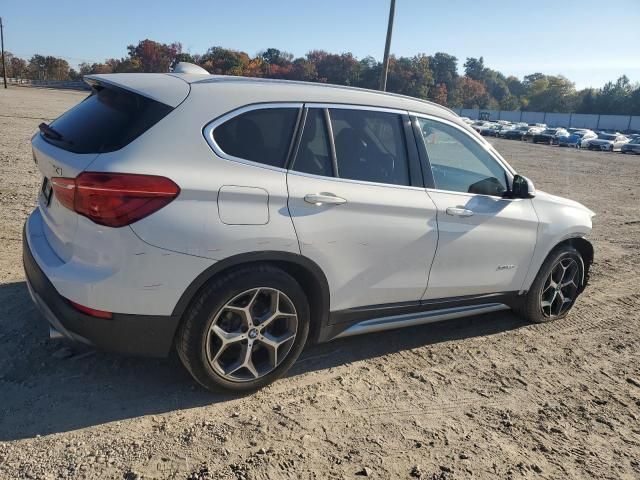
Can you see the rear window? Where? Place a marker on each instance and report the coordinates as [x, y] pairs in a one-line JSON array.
[[262, 135], [107, 120]]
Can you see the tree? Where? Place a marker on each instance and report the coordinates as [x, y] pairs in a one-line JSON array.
[[445, 70], [222, 61], [434, 77], [410, 76], [474, 68], [273, 56], [341, 69], [515, 86], [614, 96], [153, 56], [440, 94], [470, 93], [553, 94], [18, 67], [303, 70]]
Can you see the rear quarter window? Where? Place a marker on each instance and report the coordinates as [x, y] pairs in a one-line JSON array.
[[262, 135], [106, 121]]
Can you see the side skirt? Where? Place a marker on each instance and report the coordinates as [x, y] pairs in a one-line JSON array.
[[376, 318], [413, 319]]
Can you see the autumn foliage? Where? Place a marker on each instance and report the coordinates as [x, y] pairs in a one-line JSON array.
[[434, 77]]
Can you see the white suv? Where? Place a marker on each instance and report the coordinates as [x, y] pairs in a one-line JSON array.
[[238, 219]]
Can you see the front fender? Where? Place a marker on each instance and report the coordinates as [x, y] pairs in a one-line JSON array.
[[560, 221]]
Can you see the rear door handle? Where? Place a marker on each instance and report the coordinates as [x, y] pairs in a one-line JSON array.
[[459, 212], [324, 199]]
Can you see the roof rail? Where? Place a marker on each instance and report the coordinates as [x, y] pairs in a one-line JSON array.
[[223, 78]]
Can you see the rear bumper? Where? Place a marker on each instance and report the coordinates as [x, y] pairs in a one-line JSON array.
[[146, 335]]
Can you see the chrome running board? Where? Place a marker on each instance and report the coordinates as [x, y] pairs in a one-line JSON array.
[[420, 318]]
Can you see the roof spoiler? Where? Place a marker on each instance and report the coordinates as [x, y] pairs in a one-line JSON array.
[[161, 87]]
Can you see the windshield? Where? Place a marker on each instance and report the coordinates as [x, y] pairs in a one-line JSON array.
[[549, 132]]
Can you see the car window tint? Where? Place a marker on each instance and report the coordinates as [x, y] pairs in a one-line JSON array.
[[459, 163], [370, 146], [106, 121], [262, 135], [313, 154]]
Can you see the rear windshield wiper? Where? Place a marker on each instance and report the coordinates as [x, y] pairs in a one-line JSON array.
[[50, 132]]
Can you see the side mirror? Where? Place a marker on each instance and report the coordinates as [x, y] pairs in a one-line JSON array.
[[522, 187]]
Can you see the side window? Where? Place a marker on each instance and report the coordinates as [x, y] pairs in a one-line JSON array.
[[261, 136], [370, 146], [459, 163], [313, 153]]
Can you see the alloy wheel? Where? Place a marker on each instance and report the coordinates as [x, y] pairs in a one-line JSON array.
[[560, 289], [251, 334]]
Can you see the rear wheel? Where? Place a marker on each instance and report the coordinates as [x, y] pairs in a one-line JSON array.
[[556, 287], [244, 330]]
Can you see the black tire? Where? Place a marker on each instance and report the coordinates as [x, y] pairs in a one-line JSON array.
[[531, 307], [193, 332]]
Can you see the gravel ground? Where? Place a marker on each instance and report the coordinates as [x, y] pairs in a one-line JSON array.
[[486, 397]]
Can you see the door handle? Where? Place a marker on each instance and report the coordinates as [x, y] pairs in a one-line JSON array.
[[459, 212], [324, 199]]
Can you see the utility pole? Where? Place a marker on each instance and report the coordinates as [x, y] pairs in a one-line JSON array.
[[4, 67], [387, 46]]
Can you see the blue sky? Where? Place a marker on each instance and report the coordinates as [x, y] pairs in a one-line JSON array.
[[589, 41]]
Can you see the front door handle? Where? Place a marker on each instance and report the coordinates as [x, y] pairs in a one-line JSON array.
[[459, 212], [324, 199]]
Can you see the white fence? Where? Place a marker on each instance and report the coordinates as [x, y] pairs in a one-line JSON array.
[[576, 120]]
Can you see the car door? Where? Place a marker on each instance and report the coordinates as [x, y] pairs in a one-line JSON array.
[[359, 207], [486, 241]]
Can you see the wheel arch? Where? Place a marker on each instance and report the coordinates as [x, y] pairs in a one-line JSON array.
[[584, 247], [306, 272]]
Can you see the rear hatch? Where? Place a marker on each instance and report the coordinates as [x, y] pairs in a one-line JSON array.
[[120, 108]]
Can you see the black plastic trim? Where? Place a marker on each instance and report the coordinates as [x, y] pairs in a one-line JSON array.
[[415, 167], [342, 319], [427, 174], [295, 137], [144, 335]]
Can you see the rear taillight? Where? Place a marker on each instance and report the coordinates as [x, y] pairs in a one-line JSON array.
[[114, 199]]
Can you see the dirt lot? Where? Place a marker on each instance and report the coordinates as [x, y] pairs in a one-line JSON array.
[[487, 397]]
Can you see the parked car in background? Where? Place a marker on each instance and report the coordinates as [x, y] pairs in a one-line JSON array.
[[609, 142], [496, 130], [574, 140], [549, 135], [479, 125], [502, 131], [587, 136], [577, 139], [535, 130], [516, 133], [632, 147]]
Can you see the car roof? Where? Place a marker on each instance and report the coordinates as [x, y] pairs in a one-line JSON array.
[[172, 88], [324, 92]]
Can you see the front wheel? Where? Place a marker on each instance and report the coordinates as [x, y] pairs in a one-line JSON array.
[[556, 287], [244, 330]]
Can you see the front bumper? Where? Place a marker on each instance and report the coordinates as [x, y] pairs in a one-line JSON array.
[[146, 335]]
